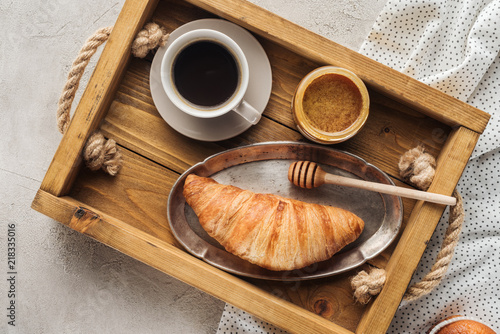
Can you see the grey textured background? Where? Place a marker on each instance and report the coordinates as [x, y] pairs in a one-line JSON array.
[[66, 282]]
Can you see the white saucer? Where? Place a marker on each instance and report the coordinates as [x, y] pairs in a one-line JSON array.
[[230, 124]]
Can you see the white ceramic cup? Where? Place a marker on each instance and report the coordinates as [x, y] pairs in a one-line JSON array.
[[235, 103]]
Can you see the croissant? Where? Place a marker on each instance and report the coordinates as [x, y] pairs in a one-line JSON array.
[[271, 231]]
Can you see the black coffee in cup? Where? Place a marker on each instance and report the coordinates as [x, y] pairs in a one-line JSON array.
[[206, 74]]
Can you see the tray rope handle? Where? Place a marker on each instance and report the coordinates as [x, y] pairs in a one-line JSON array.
[[417, 167], [98, 152]]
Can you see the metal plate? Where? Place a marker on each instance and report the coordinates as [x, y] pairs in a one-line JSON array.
[[263, 168]]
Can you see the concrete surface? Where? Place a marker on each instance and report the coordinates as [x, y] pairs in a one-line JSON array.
[[66, 282]]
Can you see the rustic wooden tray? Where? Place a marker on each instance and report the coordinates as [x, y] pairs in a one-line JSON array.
[[128, 212]]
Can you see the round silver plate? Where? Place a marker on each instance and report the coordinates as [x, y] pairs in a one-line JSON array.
[[263, 168]]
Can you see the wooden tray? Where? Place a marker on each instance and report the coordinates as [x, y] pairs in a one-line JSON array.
[[128, 212]]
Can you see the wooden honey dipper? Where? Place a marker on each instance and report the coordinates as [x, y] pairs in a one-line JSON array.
[[306, 174]]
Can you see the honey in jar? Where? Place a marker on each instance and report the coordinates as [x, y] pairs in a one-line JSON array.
[[330, 105]]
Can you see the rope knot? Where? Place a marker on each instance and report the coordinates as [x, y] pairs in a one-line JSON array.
[[366, 285], [102, 153], [150, 37], [418, 167]]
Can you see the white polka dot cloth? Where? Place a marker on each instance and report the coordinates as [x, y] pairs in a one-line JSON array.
[[452, 45]]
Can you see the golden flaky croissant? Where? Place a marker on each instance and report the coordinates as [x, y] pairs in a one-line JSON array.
[[271, 231]]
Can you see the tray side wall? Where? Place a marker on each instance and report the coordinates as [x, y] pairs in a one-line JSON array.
[[97, 96], [419, 229]]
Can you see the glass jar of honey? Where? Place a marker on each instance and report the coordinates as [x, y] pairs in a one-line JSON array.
[[330, 105]]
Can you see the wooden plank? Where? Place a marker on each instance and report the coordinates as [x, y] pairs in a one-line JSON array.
[[97, 97], [177, 263], [138, 195], [418, 232], [391, 130], [330, 298], [430, 101], [151, 137]]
